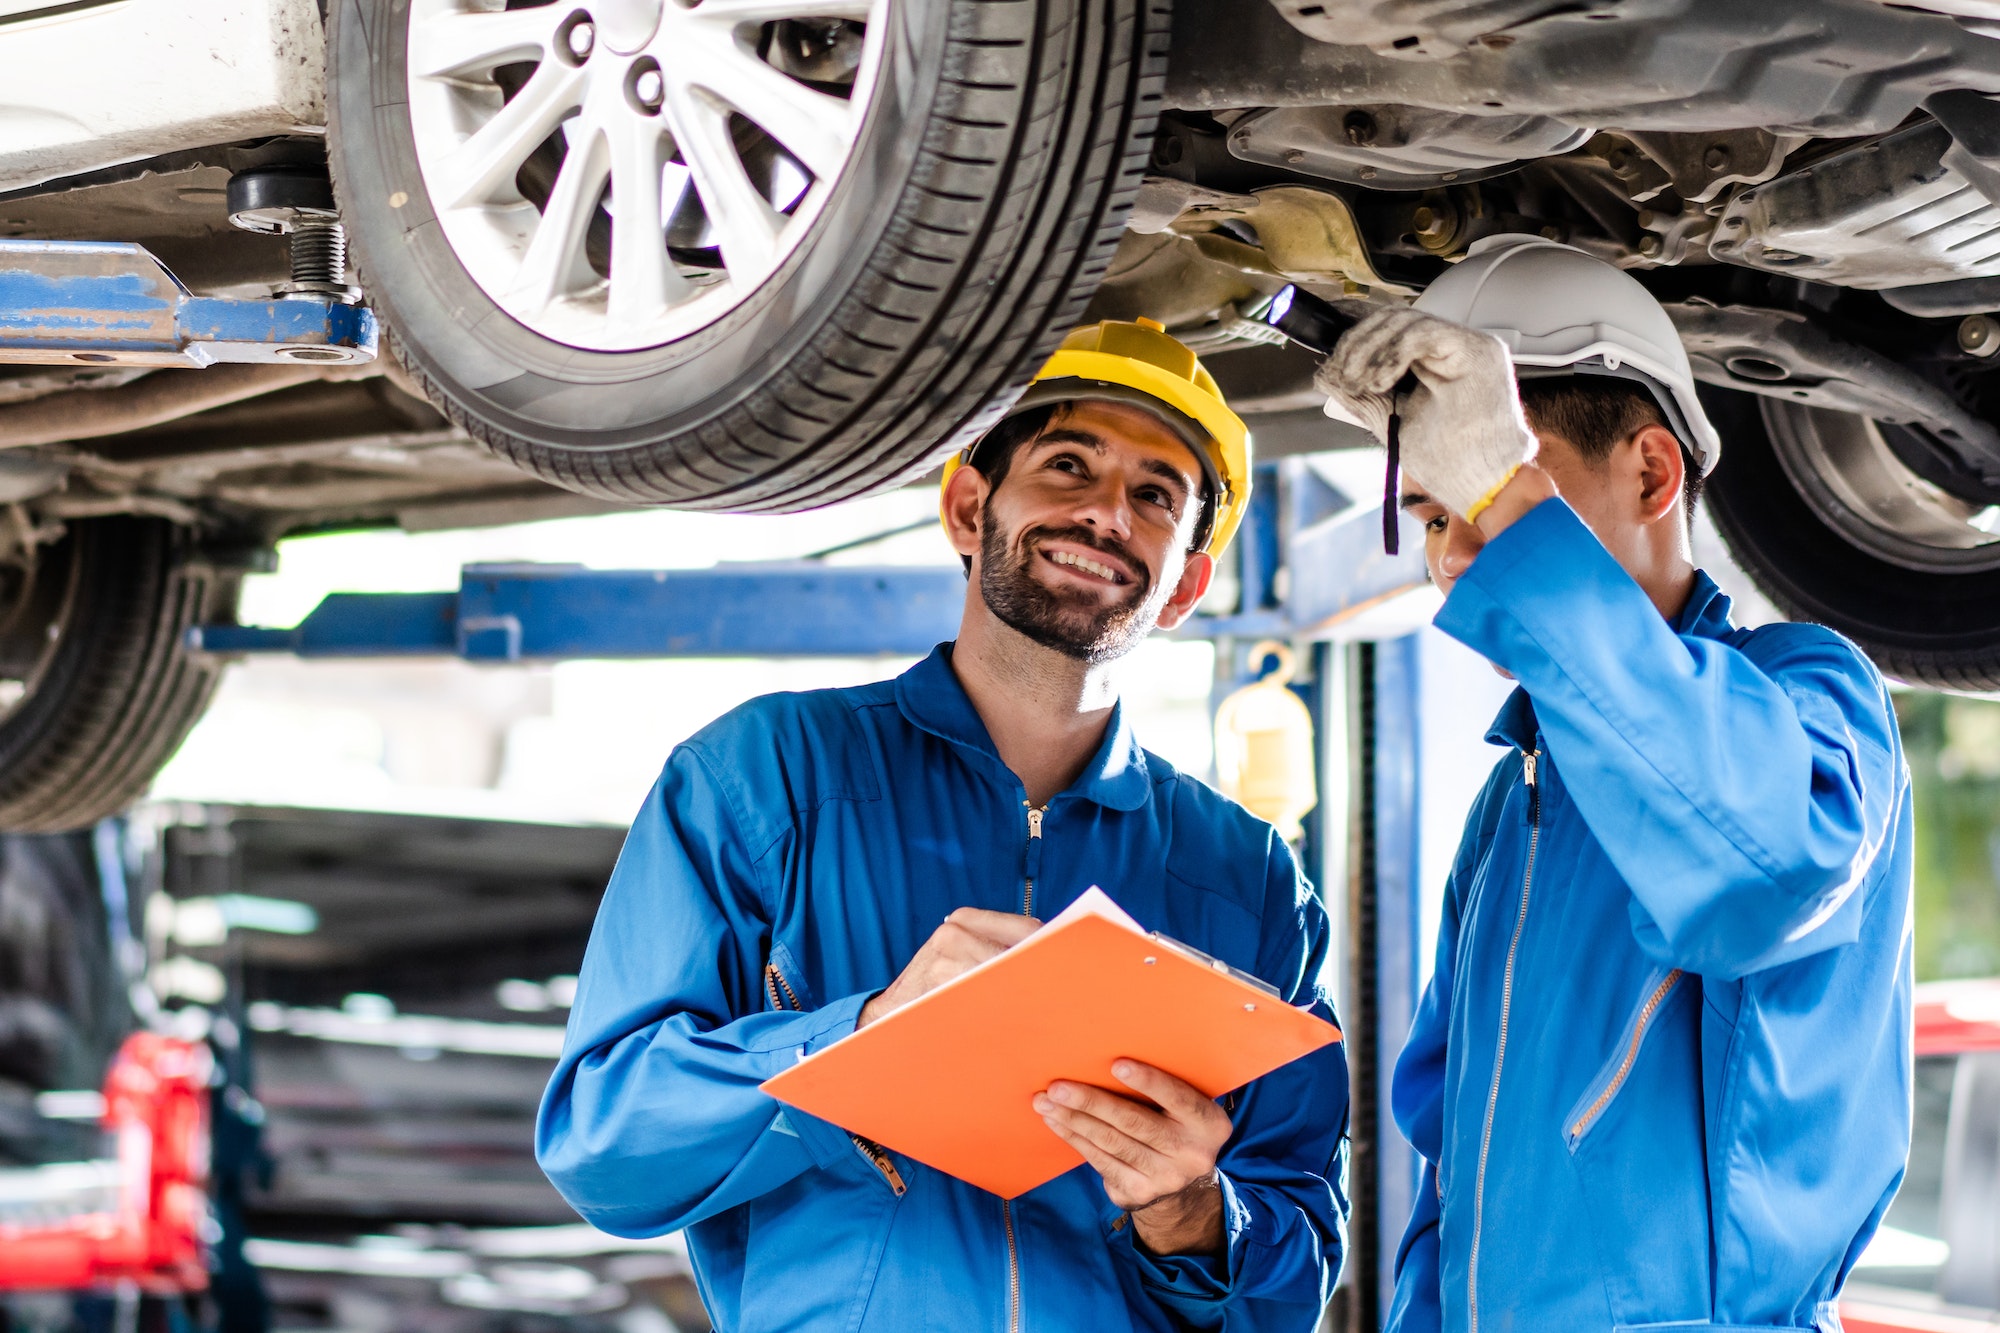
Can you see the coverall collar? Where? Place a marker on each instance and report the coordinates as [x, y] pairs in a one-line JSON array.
[[1705, 616], [931, 698]]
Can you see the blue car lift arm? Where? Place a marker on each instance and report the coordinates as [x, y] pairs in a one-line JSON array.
[[1308, 561], [113, 303], [544, 613]]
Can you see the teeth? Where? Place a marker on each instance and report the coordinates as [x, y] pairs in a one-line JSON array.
[[1085, 564]]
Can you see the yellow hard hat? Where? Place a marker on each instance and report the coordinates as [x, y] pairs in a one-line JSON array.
[[1139, 363]]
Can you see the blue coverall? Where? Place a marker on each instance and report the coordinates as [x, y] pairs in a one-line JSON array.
[[789, 863], [1661, 1075]]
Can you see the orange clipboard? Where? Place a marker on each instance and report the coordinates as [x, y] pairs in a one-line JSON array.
[[949, 1078]]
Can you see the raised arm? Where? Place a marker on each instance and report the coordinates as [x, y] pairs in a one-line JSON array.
[[1742, 795]]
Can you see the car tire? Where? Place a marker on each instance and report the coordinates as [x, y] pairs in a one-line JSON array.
[[94, 638], [973, 216], [1833, 527]]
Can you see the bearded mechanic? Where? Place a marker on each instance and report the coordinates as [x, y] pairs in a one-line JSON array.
[[785, 881], [1661, 1075]]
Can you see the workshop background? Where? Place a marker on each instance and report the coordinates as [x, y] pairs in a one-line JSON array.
[[367, 885]]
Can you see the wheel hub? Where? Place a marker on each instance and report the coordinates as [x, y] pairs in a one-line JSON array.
[[626, 25], [619, 174], [1850, 476]]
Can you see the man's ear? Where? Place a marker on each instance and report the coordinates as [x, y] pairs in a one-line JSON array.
[[1196, 575], [964, 500], [1661, 472]]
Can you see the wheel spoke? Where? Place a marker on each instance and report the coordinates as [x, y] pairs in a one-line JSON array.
[[742, 12], [554, 263], [746, 227], [643, 280], [814, 126], [485, 163], [473, 42]]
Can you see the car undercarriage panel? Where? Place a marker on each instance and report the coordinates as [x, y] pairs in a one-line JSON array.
[[1821, 67], [1887, 213]]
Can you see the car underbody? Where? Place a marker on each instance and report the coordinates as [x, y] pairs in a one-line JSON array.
[[1810, 187], [1767, 170]]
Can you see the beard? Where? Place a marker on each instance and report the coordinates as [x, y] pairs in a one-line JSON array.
[[1070, 621]]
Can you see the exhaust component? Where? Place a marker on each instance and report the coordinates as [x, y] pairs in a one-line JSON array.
[[155, 400], [1886, 214]]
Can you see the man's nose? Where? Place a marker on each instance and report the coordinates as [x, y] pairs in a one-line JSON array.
[[1462, 543], [1105, 508]]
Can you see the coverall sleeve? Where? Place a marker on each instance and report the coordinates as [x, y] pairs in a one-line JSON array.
[[1417, 1093], [1283, 1171], [653, 1120], [1741, 794]]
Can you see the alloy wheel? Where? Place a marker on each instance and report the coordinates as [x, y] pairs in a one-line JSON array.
[[619, 174]]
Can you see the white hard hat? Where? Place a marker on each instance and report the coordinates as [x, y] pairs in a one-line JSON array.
[[1559, 309]]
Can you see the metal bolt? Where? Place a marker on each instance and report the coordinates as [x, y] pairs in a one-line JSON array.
[[319, 253], [580, 38], [1649, 246], [1497, 41], [1434, 227], [1622, 161], [1716, 158], [1979, 335], [649, 88], [1359, 127], [1295, 155]]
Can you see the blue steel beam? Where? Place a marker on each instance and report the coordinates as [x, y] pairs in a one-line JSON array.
[[1332, 569], [114, 303], [541, 613], [1397, 928]]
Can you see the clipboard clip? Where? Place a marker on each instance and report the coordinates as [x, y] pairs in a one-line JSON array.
[[1216, 964]]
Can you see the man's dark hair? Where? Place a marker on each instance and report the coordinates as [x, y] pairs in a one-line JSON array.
[[1596, 413], [993, 453]]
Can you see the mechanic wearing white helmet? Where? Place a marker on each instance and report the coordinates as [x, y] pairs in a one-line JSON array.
[[1661, 1075], [810, 862]]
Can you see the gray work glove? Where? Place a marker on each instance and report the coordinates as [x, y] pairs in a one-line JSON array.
[[1462, 433]]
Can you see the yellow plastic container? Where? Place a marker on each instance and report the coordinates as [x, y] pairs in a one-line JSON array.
[[1264, 746]]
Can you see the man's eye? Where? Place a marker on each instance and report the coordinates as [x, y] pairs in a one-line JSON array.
[[1153, 495], [1438, 524], [1067, 463]]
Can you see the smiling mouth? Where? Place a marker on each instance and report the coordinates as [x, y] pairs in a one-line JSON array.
[[1086, 565]]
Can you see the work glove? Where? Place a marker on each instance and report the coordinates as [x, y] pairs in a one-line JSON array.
[[1462, 433]]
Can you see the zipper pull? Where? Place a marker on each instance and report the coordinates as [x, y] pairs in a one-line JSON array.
[[879, 1158], [1034, 822], [1031, 865], [1529, 762]]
